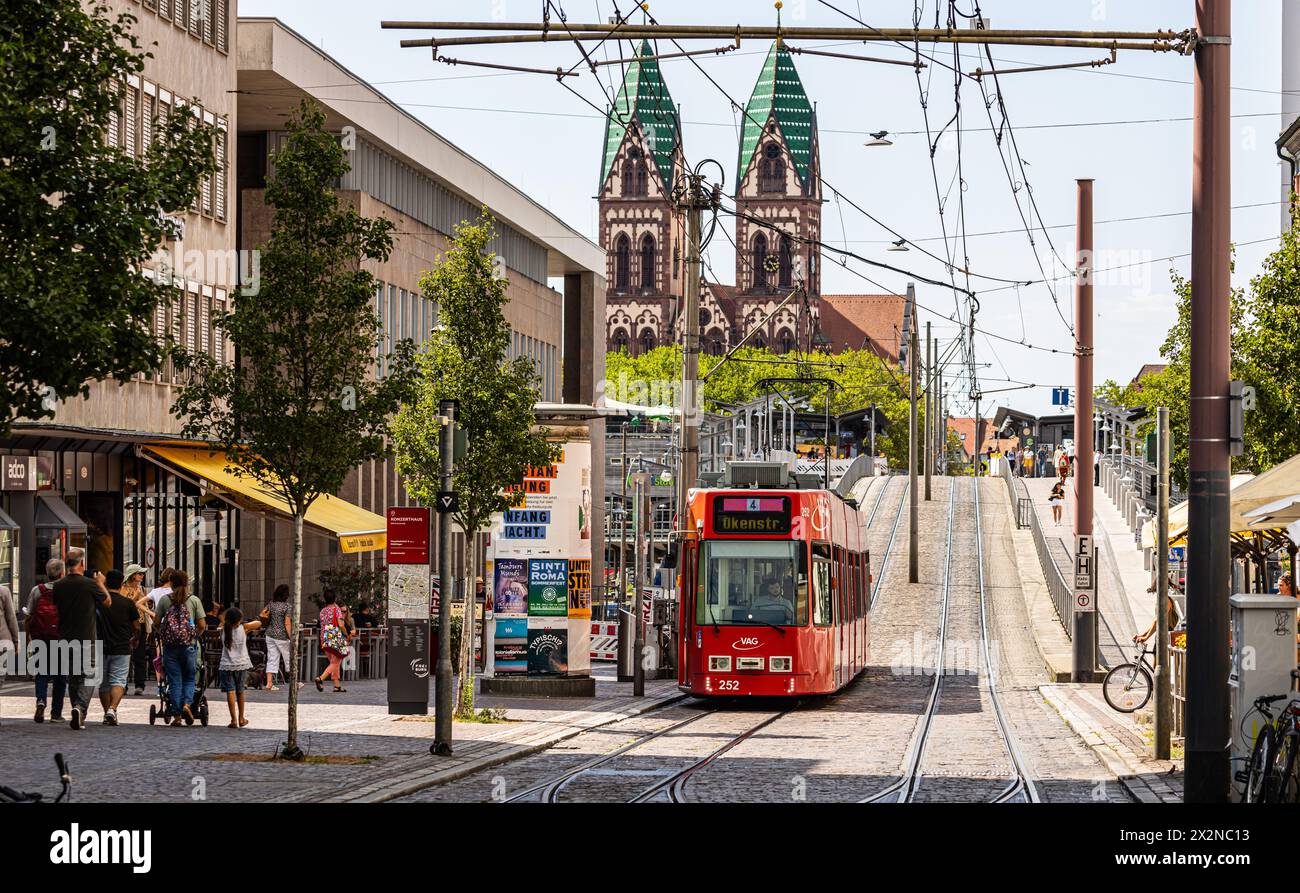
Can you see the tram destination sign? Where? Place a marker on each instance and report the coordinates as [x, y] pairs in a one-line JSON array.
[[751, 514]]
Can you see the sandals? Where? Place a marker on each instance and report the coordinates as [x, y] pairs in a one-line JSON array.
[[320, 686], [243, 722], [232, 725], [337, 689]]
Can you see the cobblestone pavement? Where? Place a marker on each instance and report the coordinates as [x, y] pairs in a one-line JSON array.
[[138, 762]]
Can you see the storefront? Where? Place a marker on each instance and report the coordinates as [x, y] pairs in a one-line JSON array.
[[8, 553]]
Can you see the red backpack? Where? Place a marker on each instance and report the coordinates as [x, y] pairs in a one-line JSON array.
[[44, 622]]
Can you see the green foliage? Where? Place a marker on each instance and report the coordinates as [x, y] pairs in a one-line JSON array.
[[81, 218], [465, 361], [354, 584], [863, 379], [301, 409]]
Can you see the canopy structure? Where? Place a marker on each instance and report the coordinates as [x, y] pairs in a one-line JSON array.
[[357, 530], [1279, 513], [654, 412], [1178, 517]]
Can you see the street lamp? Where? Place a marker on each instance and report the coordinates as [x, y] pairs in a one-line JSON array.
[[878, 138]]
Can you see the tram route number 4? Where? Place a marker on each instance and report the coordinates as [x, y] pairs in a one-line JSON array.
[[1084, 561]]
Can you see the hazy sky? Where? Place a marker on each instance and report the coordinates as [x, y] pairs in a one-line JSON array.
[[547, 141]]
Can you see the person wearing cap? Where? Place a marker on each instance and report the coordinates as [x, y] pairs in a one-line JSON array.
[[142, 655]]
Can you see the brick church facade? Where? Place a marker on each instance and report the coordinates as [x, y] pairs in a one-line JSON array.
[[778, 200]]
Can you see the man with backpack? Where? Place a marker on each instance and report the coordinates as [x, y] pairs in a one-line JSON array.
[[77, 596], [43, 627], [180, 624]]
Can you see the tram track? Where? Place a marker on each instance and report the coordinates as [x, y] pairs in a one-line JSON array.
[[1021, 784], [879, 572]]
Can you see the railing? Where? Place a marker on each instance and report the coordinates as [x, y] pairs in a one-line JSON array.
[[1062, 597], [1178, 662]]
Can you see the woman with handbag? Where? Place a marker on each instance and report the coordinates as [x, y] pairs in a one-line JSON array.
[[334, 638]]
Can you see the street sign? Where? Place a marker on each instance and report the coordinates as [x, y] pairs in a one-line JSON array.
[[1083, 602], [1084, 582], [1062, 397], [1177, 555], [408, 535], [447, 502]]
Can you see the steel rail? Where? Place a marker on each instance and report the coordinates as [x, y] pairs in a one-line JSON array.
[[889, 479], [889, 548], [675, 784], [906, 785], [550, 789]]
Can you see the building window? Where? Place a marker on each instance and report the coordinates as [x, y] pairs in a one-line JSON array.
[[648, 262], [634, 173], [785, 263], [622, 262], [620, 340], [760, 261], [771, 170], [787, 341], [647, 341]]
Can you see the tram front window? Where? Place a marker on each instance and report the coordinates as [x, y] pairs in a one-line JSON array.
[[754, 582]]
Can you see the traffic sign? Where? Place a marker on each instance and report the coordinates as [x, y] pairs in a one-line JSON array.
[[1062, 396], [447, 502], [1083, 561], [1083, 603], [408, 535]]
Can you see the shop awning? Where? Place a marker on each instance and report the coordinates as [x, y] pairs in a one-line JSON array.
[[6, 522], [357, 529], [1178, 517], [52, 513], [1279, 513]]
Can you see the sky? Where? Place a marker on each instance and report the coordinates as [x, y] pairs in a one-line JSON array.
[[1129, 129]]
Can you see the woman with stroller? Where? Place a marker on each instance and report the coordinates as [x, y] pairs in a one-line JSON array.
[[235, 662], [180, 625], [335, 633]]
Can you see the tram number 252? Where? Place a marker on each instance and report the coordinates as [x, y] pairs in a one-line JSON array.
[[728, 685]]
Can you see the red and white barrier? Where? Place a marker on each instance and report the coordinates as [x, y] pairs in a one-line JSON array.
[[604, 641]]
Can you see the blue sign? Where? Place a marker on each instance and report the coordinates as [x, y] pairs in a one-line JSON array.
[[1061, 397], [528, 516], [524, 532]]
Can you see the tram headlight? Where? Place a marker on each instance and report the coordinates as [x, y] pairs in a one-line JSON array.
[[720, 663], [779, 664]]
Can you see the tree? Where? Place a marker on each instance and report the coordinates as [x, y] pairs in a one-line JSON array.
[[81, 216], [465, 361], [301, 409]]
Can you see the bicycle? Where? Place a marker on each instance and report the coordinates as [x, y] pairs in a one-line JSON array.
[[1271, 775], [1128, 686], [9, 795]]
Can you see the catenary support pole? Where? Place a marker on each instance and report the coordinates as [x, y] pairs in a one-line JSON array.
[[1209, 462], [444, 685], [913, 552], [929, 409], [1084, 637], [688, 466], [1164, 700]]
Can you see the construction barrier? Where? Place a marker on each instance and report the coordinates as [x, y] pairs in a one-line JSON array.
[[604, 641]]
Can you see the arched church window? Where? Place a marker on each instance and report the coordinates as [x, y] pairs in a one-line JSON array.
[[647, 341], [634, 173], [620, 340], [771, 169], [648, 262], [760, 261], [785, 263], [622, 261], [787, 341]]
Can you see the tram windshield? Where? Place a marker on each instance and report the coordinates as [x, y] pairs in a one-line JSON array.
[[753, 583]]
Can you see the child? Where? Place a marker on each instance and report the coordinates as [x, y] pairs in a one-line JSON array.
[[235, 662]]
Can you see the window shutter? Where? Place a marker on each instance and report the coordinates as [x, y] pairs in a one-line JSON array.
[[222, 173], [129, 121], [194, 17], [223, 15], [174, 333], [165, 9], [147, 112], [208, 12], [204, 344]]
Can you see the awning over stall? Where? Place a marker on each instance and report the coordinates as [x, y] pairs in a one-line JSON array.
[[357, 530], [6, 522], [52, 513]]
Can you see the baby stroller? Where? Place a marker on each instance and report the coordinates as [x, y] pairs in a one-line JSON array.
[[198, 706]]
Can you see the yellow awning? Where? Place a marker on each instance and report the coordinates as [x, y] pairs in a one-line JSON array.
[[357, 529]]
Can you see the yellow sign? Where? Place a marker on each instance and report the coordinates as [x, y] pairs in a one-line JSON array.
[[363, 542]]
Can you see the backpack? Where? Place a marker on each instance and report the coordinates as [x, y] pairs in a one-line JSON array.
[[176, 627], [44, 622]]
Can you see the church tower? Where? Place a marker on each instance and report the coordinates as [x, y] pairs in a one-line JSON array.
[[642, 229], [778, 202]]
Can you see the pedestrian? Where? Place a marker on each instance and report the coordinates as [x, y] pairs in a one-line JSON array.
[[277, 620], [363, 619], [8, 630], [142, 655], [180, 624], [1027, 462], [1096, 470], [119, 628], [334, 638], [42, 632], [235, 662], [1041, 471], [1057, 501], [1063, 465], [76, 596], [163, 588]]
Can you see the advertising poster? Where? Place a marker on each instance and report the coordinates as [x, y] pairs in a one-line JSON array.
[[548, 588], [548, 653], [580, 588], [510, 590], [510, 649]]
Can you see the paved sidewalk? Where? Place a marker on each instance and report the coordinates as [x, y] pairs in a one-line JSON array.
[[1122, 744], [382, 756]]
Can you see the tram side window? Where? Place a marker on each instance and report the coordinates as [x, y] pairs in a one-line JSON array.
[[823, 597]]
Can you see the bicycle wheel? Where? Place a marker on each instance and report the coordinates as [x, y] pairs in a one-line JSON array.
[[1287, 782], [1258, 768], [1127, 687]]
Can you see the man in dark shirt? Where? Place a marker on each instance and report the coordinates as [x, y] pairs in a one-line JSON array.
[[76, 597], [119, 625]]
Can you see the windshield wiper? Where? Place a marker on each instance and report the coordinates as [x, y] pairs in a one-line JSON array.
[[780, 629]]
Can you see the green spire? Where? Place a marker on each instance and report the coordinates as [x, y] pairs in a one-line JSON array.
[[779, 93], [644, 97]]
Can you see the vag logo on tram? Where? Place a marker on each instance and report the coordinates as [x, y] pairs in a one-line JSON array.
[[745, 643]]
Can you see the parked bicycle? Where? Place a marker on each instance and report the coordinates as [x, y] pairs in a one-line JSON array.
[[1128, 686], [1272, 773], [9, 795]]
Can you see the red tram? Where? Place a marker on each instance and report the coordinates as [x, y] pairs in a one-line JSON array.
[[775, 589]]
